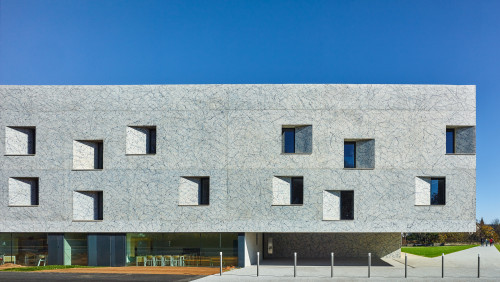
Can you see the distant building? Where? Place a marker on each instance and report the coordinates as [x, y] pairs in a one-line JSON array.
[[174, 174]]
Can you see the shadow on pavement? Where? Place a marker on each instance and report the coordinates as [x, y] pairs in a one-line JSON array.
[[340, 261]]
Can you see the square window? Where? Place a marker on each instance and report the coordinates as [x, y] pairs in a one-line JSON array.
[[288, 190], [359, 153], [460, 140], [23, 191], [87, 205], [87, 154], [20, 140], [430, 191], [338, 205], [194, 191], [141, 140], [297, 139]]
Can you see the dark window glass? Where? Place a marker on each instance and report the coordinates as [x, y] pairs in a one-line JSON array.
[[288, 140], [450, 141], [204, 191], [99, 160], [32, 148], [152, 141], [34, 193], [349, 154], [297, 192], [347, 205], [438, 191], [99, 206]]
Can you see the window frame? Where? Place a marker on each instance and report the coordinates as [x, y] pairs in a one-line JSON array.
[[34, 193], [100, 205], [14, 127], [99, 166]]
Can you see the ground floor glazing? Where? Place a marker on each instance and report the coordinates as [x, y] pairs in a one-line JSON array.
[[119, 249], [188, 249]]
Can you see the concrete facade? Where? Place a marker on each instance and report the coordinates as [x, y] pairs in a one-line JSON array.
[[232, 134]]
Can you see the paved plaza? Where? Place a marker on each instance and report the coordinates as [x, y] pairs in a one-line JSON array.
[[459, 266]]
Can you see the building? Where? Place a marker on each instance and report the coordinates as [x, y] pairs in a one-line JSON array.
[[116, 175]]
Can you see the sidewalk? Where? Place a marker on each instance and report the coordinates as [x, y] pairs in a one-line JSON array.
[[459, 266]]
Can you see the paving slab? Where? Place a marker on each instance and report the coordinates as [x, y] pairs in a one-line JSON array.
[[459, 266]]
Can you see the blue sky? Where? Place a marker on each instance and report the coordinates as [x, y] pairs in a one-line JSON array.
[[178, 42]]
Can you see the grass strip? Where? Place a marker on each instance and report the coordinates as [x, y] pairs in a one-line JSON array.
[[48, 267], [435, 251]]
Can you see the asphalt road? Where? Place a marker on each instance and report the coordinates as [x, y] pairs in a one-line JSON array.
[[94, 277]]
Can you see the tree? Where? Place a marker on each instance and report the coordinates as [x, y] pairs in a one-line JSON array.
[[495, 222], [457, 237], [488, 232], [423, 238]]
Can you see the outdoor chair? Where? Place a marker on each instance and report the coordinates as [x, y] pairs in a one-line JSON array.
[[150, 260], [175, 260], [159, 261], [41, 258], [140, 260], [167, 260]]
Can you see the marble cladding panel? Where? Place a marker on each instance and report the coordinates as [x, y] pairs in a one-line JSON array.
[[189, 191], [137, 140], [232, 133], [422, 191], [19, 140], [238, 97], [331, 205], [303, 139], [85, 205], [23, 191], [465, 140], [320, 245], [282, 190], [365, 153], [85, 154]]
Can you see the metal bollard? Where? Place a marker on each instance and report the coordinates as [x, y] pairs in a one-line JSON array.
[[295, 264], [258, 262], [442, 265], [369, 263], [220, 263], [406, 265], [332, 266], [478, 266]]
